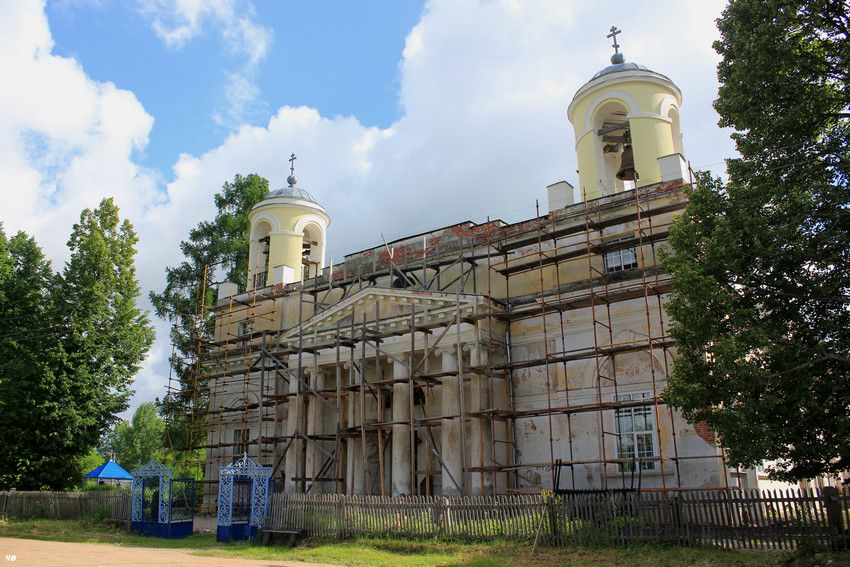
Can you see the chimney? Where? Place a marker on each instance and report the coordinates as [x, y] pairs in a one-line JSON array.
[[560, 195]]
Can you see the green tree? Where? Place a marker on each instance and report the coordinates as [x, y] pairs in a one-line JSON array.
[[85, 464], [761, 269], [221, 247], [105, 335], [137, 441], [34, 403], [70, 345]]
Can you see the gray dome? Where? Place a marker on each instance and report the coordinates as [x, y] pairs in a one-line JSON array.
[[616, 68], [292, 193]]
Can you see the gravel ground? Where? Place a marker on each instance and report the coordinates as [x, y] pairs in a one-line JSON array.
[[31, 552]]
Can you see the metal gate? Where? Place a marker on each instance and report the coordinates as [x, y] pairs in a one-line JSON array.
[[243, 499]]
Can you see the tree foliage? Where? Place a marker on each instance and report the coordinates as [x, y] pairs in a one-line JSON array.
[[105, 335], [220, 247], [85, 464], [761, 270], [137, 441], [70, 345], [34, 412]]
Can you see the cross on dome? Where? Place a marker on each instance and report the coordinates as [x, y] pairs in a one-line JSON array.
[[292, 180], [618, 57]]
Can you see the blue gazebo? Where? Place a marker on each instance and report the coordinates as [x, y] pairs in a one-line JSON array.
[[110, 470], [162, 506]]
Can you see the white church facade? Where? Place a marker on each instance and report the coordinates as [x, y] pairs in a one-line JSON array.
[[476, 358]]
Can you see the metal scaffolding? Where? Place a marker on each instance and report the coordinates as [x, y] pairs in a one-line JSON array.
[[321, 379]]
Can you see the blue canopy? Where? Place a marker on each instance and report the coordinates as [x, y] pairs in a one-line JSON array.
[[109, 470]]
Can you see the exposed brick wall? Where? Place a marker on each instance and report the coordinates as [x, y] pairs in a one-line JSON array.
[[707, 433]]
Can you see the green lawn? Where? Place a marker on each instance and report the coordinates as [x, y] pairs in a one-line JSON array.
[[95, 530], [395, 553]]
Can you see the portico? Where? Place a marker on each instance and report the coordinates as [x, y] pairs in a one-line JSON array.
[[406, 383]]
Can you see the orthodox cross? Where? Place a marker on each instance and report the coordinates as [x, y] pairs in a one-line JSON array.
[[614, 32], [292, 159]]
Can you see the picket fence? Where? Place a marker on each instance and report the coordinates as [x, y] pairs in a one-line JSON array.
[[743, 519], [25, 505]]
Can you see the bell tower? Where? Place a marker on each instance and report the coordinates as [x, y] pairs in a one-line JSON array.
[[626, 123], [288, 229]]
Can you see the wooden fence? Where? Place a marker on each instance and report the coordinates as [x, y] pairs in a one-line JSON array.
[[746, 519], [26, 505]]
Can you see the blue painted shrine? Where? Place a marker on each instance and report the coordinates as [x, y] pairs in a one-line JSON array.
[[243, 499], [162, 506]]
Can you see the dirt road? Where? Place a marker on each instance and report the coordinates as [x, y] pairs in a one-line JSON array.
[[35, 553]]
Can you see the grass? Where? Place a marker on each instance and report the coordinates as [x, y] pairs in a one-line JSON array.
[[378, 552], [393, 552], [96, 530]]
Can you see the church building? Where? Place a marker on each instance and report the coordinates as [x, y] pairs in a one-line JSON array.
[[487, 358]]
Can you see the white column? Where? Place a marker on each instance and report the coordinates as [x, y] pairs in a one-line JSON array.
[[401, 432], [280, 427], [452, 470], [481, 435], [354, 454], [315, 421], [294, 462]]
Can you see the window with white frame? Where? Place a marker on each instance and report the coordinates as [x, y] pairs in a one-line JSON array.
[[240, 442], [636, 429], [619, 260], [244, 329]]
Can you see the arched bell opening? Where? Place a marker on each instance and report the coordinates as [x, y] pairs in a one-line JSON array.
[[675, 128], [312, 250], [615, 157], [258, 259]]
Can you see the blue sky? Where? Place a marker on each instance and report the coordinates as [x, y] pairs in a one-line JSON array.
[[405, 115], [339, 57]]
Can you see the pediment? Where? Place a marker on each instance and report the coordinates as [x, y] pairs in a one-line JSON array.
[[394, 309]]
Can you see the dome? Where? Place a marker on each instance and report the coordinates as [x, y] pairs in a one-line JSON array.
[[291, 193], [621, 69], [616, 68]]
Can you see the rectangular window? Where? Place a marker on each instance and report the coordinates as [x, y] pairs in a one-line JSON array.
[[620, 260], [240, 442], [636, 427], [244, 329]]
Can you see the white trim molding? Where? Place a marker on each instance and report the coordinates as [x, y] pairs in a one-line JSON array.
[[266, 217]]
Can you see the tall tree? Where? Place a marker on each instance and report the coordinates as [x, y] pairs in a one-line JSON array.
[[33, 400], [137, 441], [105, 335], [70, 345], [761, 270], [220, 247]]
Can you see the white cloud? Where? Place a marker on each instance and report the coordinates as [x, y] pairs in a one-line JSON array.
[[65, 140], [178, 22], [484, 92], [241, 95]]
